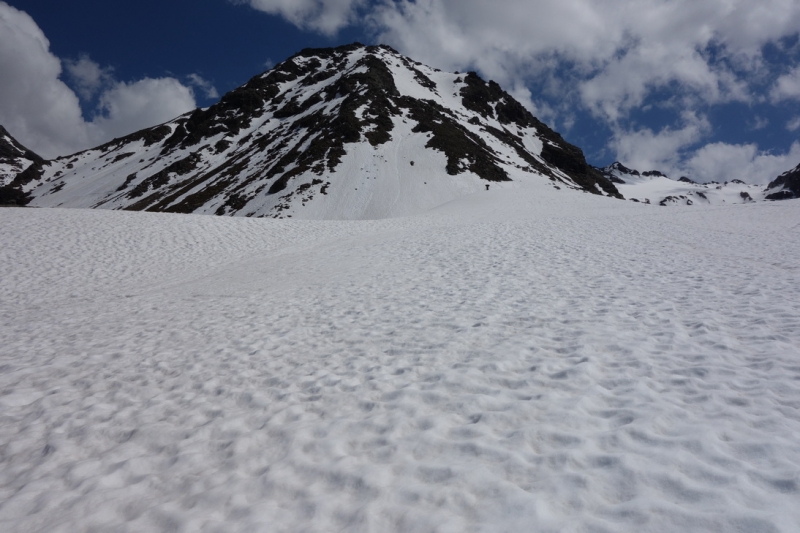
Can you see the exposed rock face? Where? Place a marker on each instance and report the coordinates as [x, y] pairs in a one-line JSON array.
[[14, 159], [349, 132], [786, 186]]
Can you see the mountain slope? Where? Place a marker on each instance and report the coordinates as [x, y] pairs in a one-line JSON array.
[[653, 187], [345, 133], [14, 159], [786, 186]]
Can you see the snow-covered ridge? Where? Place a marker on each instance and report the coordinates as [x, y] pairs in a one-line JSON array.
[[653, 187], [341, 133]]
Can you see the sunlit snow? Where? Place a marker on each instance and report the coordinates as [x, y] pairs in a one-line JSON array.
[[521, 360]]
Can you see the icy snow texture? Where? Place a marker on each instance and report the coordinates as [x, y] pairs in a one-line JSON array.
[[516, 360]]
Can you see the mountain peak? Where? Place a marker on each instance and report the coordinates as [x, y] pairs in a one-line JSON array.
[[348, 132]]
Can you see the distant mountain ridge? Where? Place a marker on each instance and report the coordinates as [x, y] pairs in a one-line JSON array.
[[654, 187], [349, 132]]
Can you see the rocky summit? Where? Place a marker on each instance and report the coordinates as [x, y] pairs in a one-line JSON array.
[[14, 159], [352, 132]]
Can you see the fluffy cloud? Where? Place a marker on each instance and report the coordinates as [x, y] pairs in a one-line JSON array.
[[787, 87], [648, 150], [725, 162], [326, 16], [88, 77], [40, 110], [127, 107], [45, 115], [204, 85], [672, 152]]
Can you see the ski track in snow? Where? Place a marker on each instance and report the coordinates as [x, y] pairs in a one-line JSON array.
[[513, 361]]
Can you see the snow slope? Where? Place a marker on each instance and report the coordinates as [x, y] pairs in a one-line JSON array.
[[515, 360]]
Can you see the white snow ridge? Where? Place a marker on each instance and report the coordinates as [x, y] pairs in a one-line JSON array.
[[517, 360]]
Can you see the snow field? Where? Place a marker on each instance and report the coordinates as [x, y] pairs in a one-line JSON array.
[[517, 360]]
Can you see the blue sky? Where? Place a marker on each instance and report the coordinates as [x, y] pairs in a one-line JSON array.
[[707, 89]]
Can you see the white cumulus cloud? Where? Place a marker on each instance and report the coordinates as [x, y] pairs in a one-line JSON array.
[[725, 162], [680, 152], [204, 85], [88, 76], [44, 113], [35, 105], [787, 87], [127, 107], [645, 149], [325, 16]]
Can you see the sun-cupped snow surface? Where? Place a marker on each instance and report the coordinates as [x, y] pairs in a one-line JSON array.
[[513, 361]]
